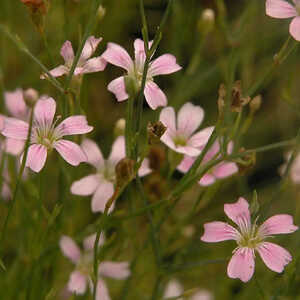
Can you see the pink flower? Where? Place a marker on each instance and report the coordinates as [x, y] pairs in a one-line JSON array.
[[180, 137], [250, 238], [295, 167], [101, 184], [80, 278], [282, 10], [85, 64], [220, 171], [118, 56], [46, 136]]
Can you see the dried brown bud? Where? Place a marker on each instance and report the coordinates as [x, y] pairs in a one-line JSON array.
[[247, 162], [255, 104], [124, 171], [238, 101], [157, 158], [155, 132], [221, 99], [36, 6]]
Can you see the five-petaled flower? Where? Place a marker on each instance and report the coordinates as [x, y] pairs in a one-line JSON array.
[[81, 276], [85, 64], [281, 9], [46, 136], [250, 238], [220, 171], [181, 138], [102, 183], [118, 56]]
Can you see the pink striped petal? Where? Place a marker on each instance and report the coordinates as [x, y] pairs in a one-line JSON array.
[[165, 64], [278, 224], [239, 212], [15, 104], [167, 139], [173, 289], [225, 169], [242, 264], [116, 270], [70, 249], [102, 291], [36, 157], [70, 152], [207, 180], [73, 125], [56, 72], [200, 139], [101, 196], [280, 9], [15, 129], [14, 147], [188, 150], [218, 231], [89, 48], [85, 186], [89, 242], [295, 28], [44, 111], [139, 53], [274, 256], [186, 164], [77, 283], [67, 52], [117, 86], [93, 153], [118, 150], [118, 56], [155, 97], [92, 65], [167, 117]]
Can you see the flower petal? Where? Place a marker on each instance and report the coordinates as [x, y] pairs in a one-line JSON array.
[[77, 283], [89, 48], [73, 125], [56, 72], [36, 157], [155, 97], [101, 196], [67, 52], [200, 139], [242, 264], [167, 117], [92, 65], [145, 168], [295, 28], [274, 256], [185, 164], [118, 150], [188, 150], [218, 231], [117, 86], [44, 111], [15, 104], [69, 249], [280, 9], [165, 64], [89, 242], [118, 56], [116, 270], [85, 186], [70, 152], [15, 129], [239, 213], [202, 295], [225, 169], [14, 147], [102, 291], [278, 224], [173, 289], [93, 153], [207, 179]]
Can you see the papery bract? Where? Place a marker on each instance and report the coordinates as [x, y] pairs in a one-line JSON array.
[[118, 56], [250, 238]]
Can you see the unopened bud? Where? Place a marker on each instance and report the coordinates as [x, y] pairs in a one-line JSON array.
[[124, 171], [207, 21], [255, 104], [238, 101], [101, 12], [120, 127], [155, 132], [188, 231], [30, 96], [157, 158]]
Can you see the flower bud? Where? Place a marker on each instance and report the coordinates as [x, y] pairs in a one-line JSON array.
[[155, 132], [120, 127], [221, 99], [207, 21], [255, 104], [238, 101], [101, 12], [188, 231], [124, 171], [30, 96]]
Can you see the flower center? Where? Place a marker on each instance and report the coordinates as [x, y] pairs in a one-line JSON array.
[[180, 140], [108, 171], [250, 237], [85, 264], [45, 136]]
